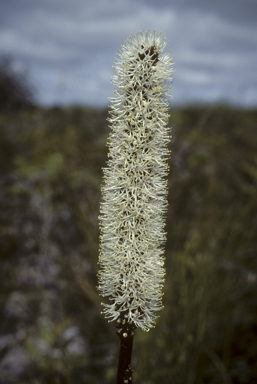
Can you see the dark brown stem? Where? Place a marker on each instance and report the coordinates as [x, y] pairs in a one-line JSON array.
[[126, 332]]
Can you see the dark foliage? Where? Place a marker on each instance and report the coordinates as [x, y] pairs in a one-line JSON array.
[[51, 330], [15, 93]]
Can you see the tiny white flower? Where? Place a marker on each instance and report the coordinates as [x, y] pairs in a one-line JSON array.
[[135, 189]]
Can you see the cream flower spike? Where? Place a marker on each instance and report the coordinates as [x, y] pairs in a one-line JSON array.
[[135, 186]]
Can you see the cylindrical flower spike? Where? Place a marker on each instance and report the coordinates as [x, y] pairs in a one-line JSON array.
[[135, 189]]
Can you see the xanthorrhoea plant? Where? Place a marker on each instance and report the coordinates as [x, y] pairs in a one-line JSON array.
[[134, 189]]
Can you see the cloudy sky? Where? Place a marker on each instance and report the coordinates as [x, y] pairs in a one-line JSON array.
[[68, 46]]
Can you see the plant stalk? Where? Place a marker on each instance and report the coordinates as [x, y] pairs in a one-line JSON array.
[[126, 332]]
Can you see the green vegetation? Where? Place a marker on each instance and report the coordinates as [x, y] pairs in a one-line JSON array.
[[51, 330]]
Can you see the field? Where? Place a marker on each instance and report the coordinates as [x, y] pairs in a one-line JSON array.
[[51, 329]]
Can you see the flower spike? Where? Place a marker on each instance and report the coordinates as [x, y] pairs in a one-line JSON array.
[[135, 187]]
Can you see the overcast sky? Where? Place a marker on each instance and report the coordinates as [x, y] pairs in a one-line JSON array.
[[68, 46]]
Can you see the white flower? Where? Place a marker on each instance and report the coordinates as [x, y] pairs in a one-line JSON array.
[[135, 189]]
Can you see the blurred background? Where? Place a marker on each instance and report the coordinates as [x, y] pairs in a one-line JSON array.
[[56, 60], [69, 46]]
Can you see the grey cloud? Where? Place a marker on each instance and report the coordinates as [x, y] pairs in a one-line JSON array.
[[213, 43], [241, 10]]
